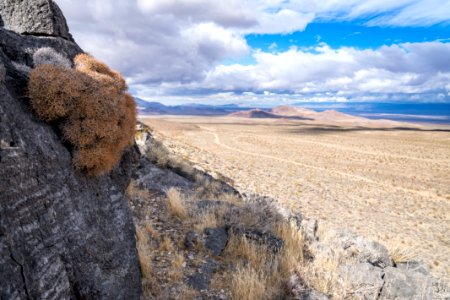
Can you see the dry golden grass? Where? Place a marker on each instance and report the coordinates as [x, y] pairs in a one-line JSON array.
[[188, 293], [97, 116], [257, 256], [385, 184], [322, 274], [166, 244], [151, 230], [176, 270], [176, 203], [399, 253], [134, 192], [292, 256], [206, 220], [248, 284]]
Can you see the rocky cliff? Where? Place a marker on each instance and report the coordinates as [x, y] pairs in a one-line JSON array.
[[63, 235]]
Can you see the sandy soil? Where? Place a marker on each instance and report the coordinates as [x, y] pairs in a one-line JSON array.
[[392, 185]]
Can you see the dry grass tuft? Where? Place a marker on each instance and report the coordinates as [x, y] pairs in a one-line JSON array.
[[176, 203], [206, 220], [248, 284], [400, 253], [150, 284], [176, 270], [292, 256], [188, 293], [99, 117], [256, 255], [135, 192], [322, 275], [151, 230], [166, 244]]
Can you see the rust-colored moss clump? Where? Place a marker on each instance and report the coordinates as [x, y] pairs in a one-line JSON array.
[[97, 115]]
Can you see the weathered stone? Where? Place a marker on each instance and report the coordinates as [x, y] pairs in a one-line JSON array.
[[34, 17], [216, 239], [363, 250], [298, 291], [404, 284], [203, 206], [151, 177], [309, 228], [363, 280], [315, 295], [260, 236], [200, 280], [63, 235], [191, 240], [415, 266]]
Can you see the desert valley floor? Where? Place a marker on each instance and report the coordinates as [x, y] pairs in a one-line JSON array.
[[389, 184]]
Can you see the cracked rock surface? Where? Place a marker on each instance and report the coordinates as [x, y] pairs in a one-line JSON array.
[[63, 235]]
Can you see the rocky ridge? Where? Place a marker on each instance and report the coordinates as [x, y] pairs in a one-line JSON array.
[[63, 235], [357, 268]]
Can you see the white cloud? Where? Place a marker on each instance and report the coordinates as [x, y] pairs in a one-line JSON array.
[[172, 46], [399, 69]]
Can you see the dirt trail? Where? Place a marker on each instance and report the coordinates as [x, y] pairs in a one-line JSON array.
[[427, 194]]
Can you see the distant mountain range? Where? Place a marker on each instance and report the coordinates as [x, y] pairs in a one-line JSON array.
[[348, 112], [297, 113], [156, 108], [233, 110]]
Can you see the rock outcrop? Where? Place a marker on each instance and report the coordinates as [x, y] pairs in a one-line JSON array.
[[34, 17], [63, 235]]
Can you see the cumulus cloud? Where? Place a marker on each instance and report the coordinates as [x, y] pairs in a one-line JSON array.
[[170, 47], [407, 69]]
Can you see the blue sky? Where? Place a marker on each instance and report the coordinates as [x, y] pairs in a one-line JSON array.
[[271, 52], [349, 34]]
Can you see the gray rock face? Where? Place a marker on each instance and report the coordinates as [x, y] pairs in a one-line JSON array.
[[309, 227], [191, 240], [415, 266], [63, 235], [216, 239], [201, 279], [34, 17], [363, 279], [364, 250], [402, 284], [267, 238], [154, 178]]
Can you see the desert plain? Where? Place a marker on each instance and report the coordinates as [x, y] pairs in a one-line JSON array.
[[387, 182]]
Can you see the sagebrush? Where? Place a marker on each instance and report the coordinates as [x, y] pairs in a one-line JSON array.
[[90, 104]]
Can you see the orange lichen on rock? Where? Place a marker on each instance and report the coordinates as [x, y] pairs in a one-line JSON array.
[[96, 114]]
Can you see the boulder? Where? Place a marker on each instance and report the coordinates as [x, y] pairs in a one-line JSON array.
[[63, 235], [201, 279], [191, 240], [362, 249], [216, 239], [152, 177], [415, 266], [309, 228], [34, 17], [362, 281], [404, 284], [261, 237]]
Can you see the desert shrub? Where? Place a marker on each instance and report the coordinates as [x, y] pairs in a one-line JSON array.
[[99, 71], [94, 111], [48, 56]]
